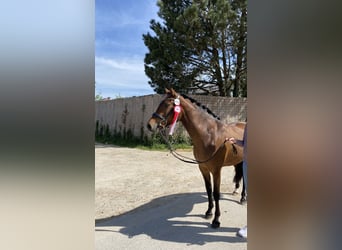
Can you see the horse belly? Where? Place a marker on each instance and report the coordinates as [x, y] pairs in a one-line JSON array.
[[232, 158]]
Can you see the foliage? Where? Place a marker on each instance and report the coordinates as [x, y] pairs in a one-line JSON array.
[[126, 139], [98, 97], [201, 47]]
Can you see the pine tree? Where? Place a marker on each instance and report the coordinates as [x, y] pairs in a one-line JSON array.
[[200, 47]]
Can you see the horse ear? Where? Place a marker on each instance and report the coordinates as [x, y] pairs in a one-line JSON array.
[[173, 92], [167, 91]]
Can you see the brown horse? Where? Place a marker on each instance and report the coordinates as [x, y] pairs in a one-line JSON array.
[[210, 147]]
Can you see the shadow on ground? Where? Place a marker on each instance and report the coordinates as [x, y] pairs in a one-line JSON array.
[[175, 218]]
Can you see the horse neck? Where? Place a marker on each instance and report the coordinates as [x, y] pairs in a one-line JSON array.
[[192, 120]]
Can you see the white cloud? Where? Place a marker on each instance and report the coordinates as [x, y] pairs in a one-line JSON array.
[[111, 20], [131, 64], [124, 77], [119, 58]]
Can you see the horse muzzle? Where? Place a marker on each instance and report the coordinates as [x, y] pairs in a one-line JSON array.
[[153, 125]]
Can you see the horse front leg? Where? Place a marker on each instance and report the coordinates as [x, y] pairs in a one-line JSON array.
[[208, 187], [217, 183]]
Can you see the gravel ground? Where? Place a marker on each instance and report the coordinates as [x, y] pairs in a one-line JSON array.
[[151, 200]]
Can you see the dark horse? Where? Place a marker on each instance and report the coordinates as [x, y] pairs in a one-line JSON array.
[[210, 147]]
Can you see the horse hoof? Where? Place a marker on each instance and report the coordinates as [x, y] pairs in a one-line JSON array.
[[243, 201], [215, 224]]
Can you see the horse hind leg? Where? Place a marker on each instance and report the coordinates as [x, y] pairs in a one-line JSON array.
[[237, 179], [244, 189], [235, 192], [237, 183], [243, 199]]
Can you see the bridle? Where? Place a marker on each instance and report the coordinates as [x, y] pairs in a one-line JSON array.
[[163, 120], [162, 130], [162, 124]]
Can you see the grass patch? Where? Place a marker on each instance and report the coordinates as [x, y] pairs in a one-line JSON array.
[[126, 139], [142, 145], [163, 147]]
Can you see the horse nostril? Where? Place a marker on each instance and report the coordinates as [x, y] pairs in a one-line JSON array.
[[149, 127]]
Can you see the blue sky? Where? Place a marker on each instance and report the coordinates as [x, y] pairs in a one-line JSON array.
[[119, 48]]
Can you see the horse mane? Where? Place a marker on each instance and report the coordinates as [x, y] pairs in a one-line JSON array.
[[201, 106]]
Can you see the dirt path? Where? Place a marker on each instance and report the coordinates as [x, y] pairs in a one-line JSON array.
[[133, 183]]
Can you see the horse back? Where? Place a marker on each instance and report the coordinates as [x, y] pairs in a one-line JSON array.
[[235, 129]]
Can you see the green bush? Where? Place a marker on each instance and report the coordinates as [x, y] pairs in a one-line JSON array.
[[127, 139]]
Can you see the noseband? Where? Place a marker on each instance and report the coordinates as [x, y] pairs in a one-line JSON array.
[[163, 120], [156, 115]]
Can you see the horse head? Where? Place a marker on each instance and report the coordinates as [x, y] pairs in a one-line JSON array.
[[165, 113]]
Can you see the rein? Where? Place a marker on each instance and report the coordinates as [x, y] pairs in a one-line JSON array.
[[162, 130], [188, 159]]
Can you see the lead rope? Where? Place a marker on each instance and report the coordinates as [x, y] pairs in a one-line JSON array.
[[188, 159]]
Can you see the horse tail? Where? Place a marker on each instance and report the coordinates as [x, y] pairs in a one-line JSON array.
[[238, 175]]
